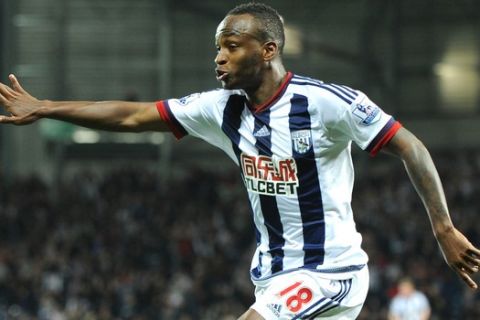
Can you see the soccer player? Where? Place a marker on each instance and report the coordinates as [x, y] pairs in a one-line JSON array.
[[409, 303], [291, 137]]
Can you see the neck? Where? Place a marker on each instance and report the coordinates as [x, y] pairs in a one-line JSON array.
[[271, 81]]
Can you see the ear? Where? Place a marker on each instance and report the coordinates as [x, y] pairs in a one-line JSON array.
[[270, 50]]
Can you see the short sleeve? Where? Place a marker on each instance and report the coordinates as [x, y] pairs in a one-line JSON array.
[[365, 123], [198, 114]]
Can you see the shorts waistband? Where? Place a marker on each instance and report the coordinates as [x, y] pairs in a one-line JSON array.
[[345, 269]]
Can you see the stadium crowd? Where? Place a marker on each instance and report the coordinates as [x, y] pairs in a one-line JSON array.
[[118, 246]]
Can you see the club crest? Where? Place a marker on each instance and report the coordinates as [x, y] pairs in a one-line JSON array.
[[301, 141]]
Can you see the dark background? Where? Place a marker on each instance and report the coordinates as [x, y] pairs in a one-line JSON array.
[[138, 226]]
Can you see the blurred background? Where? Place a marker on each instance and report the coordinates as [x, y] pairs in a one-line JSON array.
[[99, 225]]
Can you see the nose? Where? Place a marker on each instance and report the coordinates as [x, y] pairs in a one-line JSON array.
[[220, 59]]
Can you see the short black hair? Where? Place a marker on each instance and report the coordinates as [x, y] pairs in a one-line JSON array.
[[269, 19]]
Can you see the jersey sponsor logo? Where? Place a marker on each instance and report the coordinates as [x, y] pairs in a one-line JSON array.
[[187, 99], [264, 175], [301, 140], [367, 112]]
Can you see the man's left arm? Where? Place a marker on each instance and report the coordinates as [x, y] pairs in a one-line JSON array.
[[457, 250]]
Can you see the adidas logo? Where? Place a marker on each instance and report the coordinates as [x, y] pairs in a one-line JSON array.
[[262, 132], [275, 308]]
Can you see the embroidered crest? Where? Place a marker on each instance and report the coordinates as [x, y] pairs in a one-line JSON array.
[[302, 141]]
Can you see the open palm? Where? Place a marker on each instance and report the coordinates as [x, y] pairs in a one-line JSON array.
[[21, 106]]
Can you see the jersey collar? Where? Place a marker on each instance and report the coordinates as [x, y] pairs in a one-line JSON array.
[[277, 95]]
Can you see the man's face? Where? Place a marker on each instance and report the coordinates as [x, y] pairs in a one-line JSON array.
[[239, 60], [406, 288]]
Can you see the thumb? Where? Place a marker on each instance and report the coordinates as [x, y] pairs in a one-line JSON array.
[[7, 119], [15, 84]]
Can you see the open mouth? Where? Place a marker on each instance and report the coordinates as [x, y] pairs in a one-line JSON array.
[[221, 75]]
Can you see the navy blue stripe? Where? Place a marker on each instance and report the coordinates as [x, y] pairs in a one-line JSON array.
[[342, 290], [329, 306], [230, 126], [340, 91], [349, 286], [264, 142], [323, 86], [354, 92], [326, 305], [334, 302], [352, 268], [256, 272], [309, 193], [307, 79], [301, 314], [380, 135], [303, 82], [306, 83], [268, 203], [345, 92], [325, 310], [232, 120]]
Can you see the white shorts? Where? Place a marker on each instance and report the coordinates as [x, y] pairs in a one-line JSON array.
[[307, 294]]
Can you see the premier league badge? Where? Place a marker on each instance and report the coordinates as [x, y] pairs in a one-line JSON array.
[[302, 141], [367, 112], [186, 100]]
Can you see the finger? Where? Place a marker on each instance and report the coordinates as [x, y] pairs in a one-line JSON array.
[[14, 120], [6, 119], [6, 91], [469, 281], [466, 278], [470, 269], [474, 262], [19, 120], [3, 100], [466, 268], [15, 84], [474, 252]]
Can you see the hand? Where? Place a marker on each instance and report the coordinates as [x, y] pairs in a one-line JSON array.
[[460, 255], [19, 103]]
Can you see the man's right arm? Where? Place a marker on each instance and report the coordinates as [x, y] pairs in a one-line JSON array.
[[106, 115]]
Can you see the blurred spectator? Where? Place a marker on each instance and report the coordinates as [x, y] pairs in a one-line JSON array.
[[409, 303]]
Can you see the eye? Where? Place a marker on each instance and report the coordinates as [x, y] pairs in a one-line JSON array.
[[232, 47]]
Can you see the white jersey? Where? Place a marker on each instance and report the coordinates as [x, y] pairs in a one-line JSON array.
[[295, 160], [410, 307]]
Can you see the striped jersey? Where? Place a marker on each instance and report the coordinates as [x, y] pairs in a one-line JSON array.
[[411, 307], [294, 154]]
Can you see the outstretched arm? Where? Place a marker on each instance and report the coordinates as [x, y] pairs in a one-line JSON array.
[[458, 252], [106, 115]]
